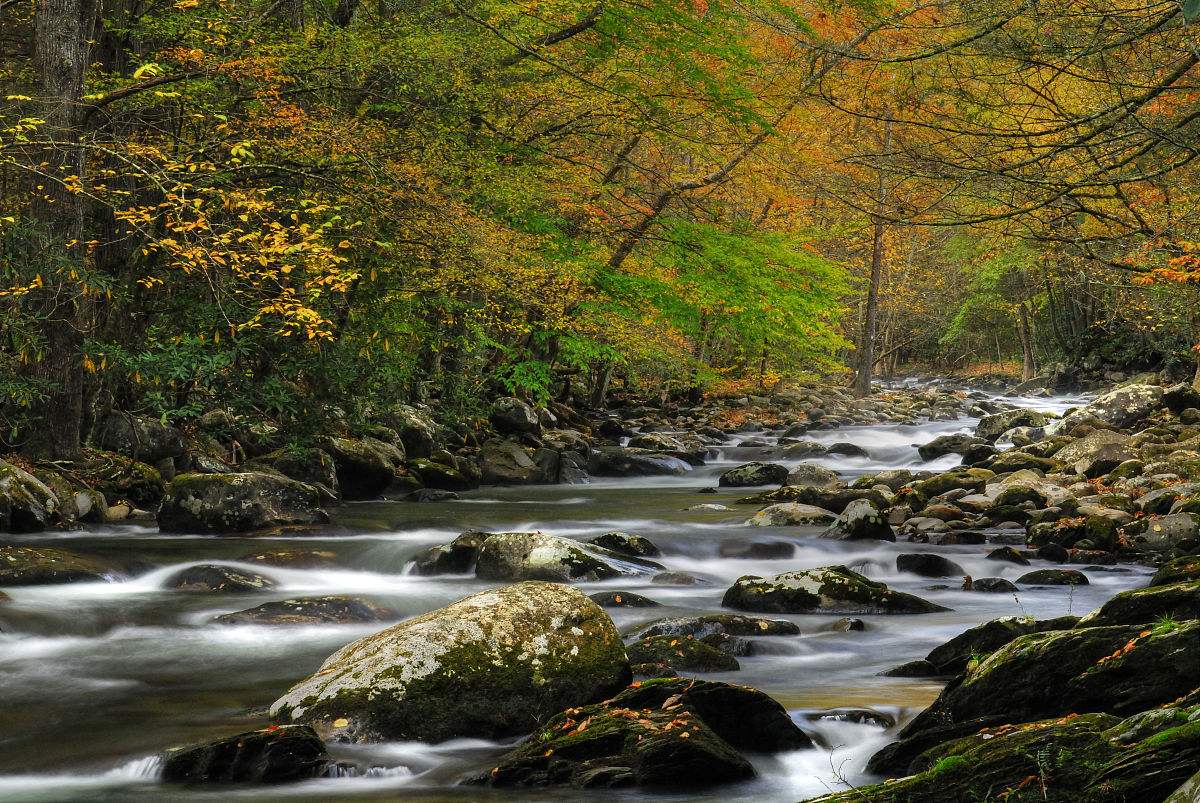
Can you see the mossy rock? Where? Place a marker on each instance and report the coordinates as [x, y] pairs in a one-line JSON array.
[[834, 500], [685, 653], [234, 503], [1148, 606], [120, 478], [493, 664], [977, 642], [1094, 757], [309, 611], [827, 590], [1118, 670], [441, 477], [35, 565], [707, 624], [270, 755], [1186, 567], [666, 733], [26, 503], [308, 465], [538, 556]]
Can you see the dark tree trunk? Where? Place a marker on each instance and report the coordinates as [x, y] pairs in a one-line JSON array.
[[62, 36], [1029, 367], [870, 321]]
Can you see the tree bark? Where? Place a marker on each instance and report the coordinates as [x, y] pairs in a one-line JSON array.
[[1029, 367], [870, 322], [62, 35]]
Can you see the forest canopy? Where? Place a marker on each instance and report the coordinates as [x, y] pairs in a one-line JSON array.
[[299, 209]]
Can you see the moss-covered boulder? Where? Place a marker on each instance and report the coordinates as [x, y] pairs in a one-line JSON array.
[[834, 500], [754, 474], [440, 476], [538, 556], [1178, 601], [309, 611], [493, 664], [827, 590], [685, 653], [138, 437], [456, 557], [1094, 757], [26, 503], [1053, 577], [861, 521], [269, 755], [976, 643], [992, 426], [235, 503], [35, 565], [1117, 670], [308, 465], [365, 468], [792, 514], [1182, 568], [634, 546], [670, 733]]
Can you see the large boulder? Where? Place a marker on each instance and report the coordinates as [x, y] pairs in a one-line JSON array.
[[1094, 757], [538, 556], [26, 503], [219, 579], [311, 466], [456, 557], [121, 478], [1159, 603], [415, 428], [673, 733], [37, 565], [237, 503], [617, 461], [808, 475], [827, 590], [506, 462], [270, 755], [494, 664], [1120, 408], [977, 642], [991, 427], [139, 438], [754, 474], [1116, 670], [787, 514], [512, 416], [365, 467], [861, 521]]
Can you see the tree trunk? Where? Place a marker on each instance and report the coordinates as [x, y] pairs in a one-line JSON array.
[[866, 348], [1029, 367], [62, 36], [600, 389]]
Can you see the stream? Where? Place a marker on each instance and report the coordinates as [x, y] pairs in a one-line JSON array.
[[97, 678]]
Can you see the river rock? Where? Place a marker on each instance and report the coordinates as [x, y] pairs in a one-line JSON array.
[[740, 549], [788, 514], [311, 466], [991, 427], [754, 474], [928, 565], [365, 468], [808, 475], [137, 437], [36, 565], [634, 546], [1120, 408], [672, 733], [1053, 577], [270, 755], [991, 585], [456, 557], [1165, 535], [861, 521], [681, 652], [1176, 602], [439, 476], [506, 462], [832, 499], [538, 556], [26, 503], [120, 478], [977, 642], [309, 611], [719, 623], [616, 461], [1093, 757], [827, 590], [948, 444], [218, 578], [491, 665], [512, 416], [234, 503], [1174, 571], [622, 599], [1117, 670]]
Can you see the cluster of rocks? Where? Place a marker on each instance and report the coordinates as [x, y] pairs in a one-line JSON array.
[[1106, 707]]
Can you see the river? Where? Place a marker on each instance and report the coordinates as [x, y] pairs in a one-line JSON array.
[[97, 678]]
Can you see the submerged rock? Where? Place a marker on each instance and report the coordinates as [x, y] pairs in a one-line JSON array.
[[681, 652], [493, 664], [271, 755], [622, 599], [1053, 577], [538, 556], [34, 565], [719, 623], [309, 611], [234, 503], [635, 546], [670, 733], [828, 590], [214, 577]]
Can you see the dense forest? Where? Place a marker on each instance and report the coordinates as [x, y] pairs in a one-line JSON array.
[[302, 210]]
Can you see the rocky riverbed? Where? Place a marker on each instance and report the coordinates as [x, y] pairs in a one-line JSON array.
[[757, 598]]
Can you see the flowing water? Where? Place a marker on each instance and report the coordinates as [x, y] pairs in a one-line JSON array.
[[97, 678]]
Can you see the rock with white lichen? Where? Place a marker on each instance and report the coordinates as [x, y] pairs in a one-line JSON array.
[[493, 664], [828, 590]]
